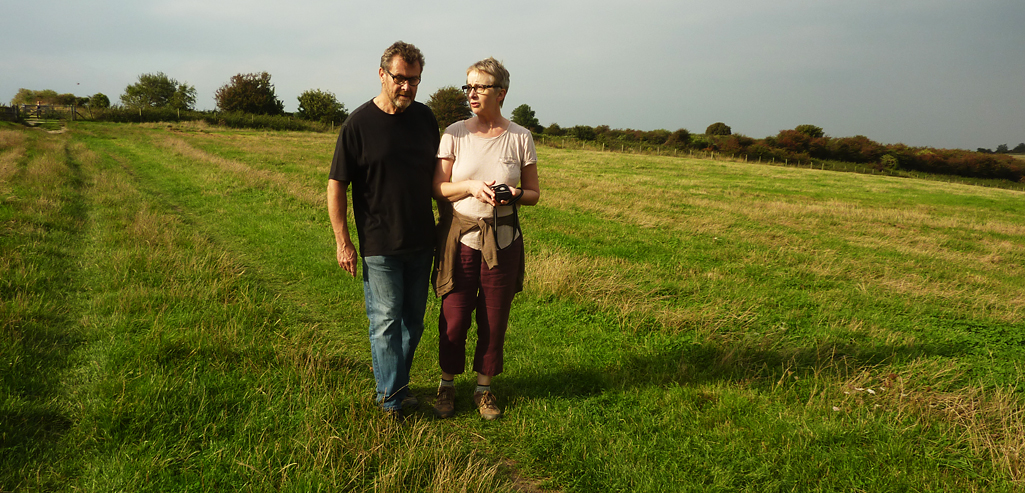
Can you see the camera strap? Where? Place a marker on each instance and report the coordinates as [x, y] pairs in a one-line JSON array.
[[515, 225]]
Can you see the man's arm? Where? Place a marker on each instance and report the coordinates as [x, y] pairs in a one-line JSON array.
[[336, 208]]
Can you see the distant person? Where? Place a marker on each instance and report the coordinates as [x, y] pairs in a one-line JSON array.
[[386, 149], [480, 247]]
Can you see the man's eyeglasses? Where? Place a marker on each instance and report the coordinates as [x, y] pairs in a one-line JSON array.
[[399, 80], [477, 87]]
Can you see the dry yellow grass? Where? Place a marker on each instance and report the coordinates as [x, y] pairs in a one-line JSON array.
[[791, 231], [246, 174], [992, 421]]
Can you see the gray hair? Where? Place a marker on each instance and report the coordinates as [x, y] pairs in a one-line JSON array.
[[409, 53]]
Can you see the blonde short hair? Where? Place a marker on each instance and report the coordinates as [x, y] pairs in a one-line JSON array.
[[494, 68]]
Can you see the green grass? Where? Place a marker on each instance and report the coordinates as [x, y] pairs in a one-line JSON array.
[[172, 319]]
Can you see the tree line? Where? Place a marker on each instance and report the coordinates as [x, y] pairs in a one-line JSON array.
[[804, 143], [1002, 149], [252, 94]]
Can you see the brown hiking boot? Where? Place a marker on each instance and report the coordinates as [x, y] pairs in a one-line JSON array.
[[487, 404], [445, 404]]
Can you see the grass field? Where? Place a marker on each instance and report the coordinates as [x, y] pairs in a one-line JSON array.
[[172, 319]]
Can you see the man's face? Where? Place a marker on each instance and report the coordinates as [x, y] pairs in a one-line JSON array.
[[399, 82]]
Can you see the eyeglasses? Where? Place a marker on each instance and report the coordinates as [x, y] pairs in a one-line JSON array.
[[477, 87], [399, 80]]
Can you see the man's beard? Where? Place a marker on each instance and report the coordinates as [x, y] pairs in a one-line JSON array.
[[401, 104]]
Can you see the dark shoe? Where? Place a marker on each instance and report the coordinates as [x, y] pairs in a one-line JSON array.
[[394, 415], [410, 402], [445, 404], [487, 404]]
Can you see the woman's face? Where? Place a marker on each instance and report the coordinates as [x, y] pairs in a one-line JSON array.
[[488, 99]]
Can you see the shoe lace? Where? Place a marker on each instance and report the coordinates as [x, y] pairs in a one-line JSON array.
[[488, 400], [446, 394]]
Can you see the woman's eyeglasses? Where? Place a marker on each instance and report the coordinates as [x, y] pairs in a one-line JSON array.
[[480, 88]]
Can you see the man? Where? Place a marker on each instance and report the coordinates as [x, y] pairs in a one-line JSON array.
[[386, 150]]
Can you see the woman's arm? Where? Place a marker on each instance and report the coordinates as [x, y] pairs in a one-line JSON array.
[[530, 188], [444, 189]]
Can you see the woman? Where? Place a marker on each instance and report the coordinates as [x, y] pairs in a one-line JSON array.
[[480, 249]]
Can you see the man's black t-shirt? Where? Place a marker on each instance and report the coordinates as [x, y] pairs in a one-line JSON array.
[[389, 160]]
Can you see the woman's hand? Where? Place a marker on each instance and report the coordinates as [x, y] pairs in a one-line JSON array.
[[516, 193], [481, 191]]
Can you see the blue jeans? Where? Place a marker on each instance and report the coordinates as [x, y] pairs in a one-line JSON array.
[[395, 289]]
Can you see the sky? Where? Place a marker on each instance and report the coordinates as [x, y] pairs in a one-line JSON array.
[[935, 73]]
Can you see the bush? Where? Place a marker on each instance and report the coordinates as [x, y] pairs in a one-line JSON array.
[[236, 119], [524, 117], [735, 144], [680, 138], [703, 142], [791, 141], [449, 105], [554, 130], [122, 114], [718, 128], [583, 132], [321, 106], [69, 100], [889, 162], [159, 91], [99, 101], [810, 130], [857, 149], [656, 137], [28, 96], [249, 93]]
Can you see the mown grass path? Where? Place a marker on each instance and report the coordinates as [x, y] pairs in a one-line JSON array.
[[174, 320]]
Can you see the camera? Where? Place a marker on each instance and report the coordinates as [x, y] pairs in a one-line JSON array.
[[503, 193]]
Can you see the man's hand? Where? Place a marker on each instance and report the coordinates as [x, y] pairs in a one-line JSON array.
[[345, 250], [347, 257]]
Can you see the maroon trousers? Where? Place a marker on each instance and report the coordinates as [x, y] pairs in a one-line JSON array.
[[489, 293]]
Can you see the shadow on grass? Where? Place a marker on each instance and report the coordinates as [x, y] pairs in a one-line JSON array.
[[33, 420], [40, 334], [699, 364]]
